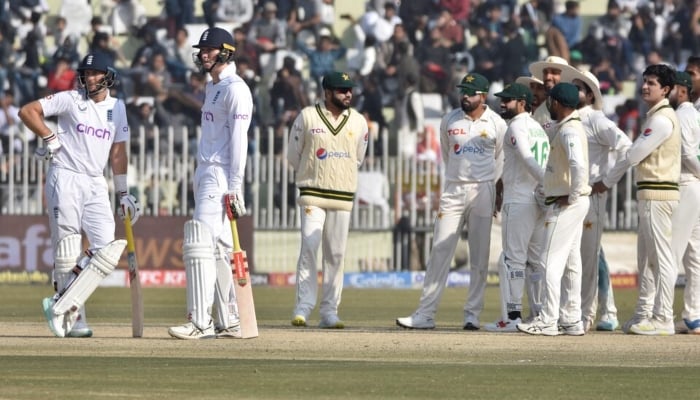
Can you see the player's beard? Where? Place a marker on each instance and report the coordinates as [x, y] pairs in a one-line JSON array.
[[340, 103], [508, 113], [468, 106]]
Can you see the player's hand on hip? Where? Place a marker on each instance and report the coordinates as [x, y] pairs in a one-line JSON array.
[[128, 203], [235, 204], [51, 146]]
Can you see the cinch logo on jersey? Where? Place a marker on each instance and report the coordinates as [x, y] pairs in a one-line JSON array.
[[467, 148], [92, 131], [322, 154]]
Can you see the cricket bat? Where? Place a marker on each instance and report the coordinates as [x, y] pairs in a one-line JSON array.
[[242, 284], [134, 280]]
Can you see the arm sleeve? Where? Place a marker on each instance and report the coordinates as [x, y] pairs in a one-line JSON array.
[[419, 110], [362, 142], [524, 152], [689, 152], [296, 142], [613, 137], [444, 140], [239, 122], [578, 168], [656, 132], [501, 128]]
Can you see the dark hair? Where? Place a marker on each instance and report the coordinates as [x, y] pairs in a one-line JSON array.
[[694, 61], [665, 75]]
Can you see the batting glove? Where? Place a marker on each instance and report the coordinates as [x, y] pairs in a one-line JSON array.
[[129, 203], [51, 146], [235, 204]]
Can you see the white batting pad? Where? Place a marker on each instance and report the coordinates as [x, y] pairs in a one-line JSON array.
[[224, 296], [200, 272], [67, 253], [101, 264]]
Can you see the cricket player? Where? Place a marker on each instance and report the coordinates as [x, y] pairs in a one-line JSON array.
[[525, 150], [221, 157], [549, 72], [656, 155], [92, 130], [692, 68], [471, 139], [566, 189], [327, 146], [686, 218], [604, 138]]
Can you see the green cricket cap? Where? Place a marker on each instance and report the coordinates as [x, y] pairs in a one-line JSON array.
[[516, 91]]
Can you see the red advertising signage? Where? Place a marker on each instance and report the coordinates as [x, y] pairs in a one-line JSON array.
[[25, 244]]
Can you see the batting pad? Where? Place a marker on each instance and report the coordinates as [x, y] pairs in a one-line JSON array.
[[65, 257], [101, 264], [224, 296], [200, 272]]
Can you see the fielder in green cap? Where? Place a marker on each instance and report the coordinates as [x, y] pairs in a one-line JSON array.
[[338, 80], [471, 143], [525, 149], [566, 193]]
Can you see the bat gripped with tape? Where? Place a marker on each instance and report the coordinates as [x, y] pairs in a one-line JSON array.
[[241, 281], [134, 280]]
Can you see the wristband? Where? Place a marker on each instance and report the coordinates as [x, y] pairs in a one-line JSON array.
[[120, 184]]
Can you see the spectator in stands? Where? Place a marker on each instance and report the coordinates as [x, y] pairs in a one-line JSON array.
[[304, 20], [410, 117], [414, 15], [186, 103], [67, 50], [9, 122], [458, 9], [127, 17], [629, 119], [237, 12], [156, 80], [436, 64], [371, 104], [150, 46], [534, 18], [6, 54], [288, 97], [178, 13], [569, 23], [513, 51], [487, 55], [611, 30], [245, 48], [61, 76], [268, 34], [452, 32], [692, 67], [141, 118], [322, 59], [607, 76], [180, 62], [326, 13], [643, 31]]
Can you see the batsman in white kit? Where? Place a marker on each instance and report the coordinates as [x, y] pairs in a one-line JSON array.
[[92, 129], [221, 157]]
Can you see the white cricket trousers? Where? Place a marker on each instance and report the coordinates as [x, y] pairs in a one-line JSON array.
[[657, 268], [78, 201], [593, 226], [460, 203], [522, 235], [330, 228], [686, 246], [562, 259]]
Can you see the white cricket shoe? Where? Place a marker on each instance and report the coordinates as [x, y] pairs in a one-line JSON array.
[[416, 321], [507, 325], [607, 324], [299, 320], [191, 331], [575, 329], [652, 327], [331, 322], [56, 322], [539, 327], [80, 329], [232, 332]]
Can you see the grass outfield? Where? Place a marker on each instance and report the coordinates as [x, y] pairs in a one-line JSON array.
[[371, 359]]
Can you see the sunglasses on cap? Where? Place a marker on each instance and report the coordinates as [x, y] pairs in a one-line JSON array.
[[470, 92]]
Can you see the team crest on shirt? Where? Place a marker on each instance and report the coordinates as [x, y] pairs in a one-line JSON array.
[[484, 133], [512, 140], [647, 132], [109, 115]]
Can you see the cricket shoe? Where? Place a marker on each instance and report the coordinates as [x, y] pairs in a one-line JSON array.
[[56, 322], [681, 327], [587, 323], [607, 324], [232, 332], [693, 326], [299, 320], [632, 321], [471, 323], [575, 329], [331, 322], [652, 327], [539, 327], [507, 325], [416, 321], [191, 331], [80, 329]]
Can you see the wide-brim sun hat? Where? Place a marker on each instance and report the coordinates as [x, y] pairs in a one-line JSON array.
[[527, 80], [555, 62], [590, 80]]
